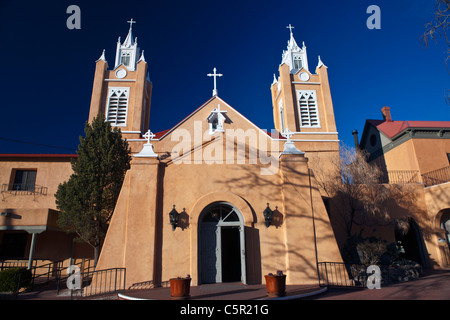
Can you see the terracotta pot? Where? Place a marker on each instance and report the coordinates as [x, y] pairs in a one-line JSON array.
[[180, 288], [276, 285]]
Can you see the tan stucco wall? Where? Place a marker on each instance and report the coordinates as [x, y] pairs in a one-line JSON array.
[[141, 238], [28, 213], [50, 173], [414, 154], [438, 200], [403, 157]]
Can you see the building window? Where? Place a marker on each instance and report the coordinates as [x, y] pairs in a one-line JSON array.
[[24, 180], [125, 59], [373, 140], [117, 106], [13, 245], [307, 109], [448, 157], [297, 62], [283, 128]]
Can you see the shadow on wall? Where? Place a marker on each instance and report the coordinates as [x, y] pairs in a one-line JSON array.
[[269, 189]]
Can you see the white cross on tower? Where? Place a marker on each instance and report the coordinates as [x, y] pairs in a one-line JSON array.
[[290, 27], [131, 23], [215, 75], [149, 136]]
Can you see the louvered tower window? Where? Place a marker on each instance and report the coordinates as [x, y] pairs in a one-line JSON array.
[[117, 106], [297, 62], [307, 107], [126, 58]]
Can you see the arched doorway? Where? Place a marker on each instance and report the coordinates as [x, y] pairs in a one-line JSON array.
[[221, 244], [412, 243], [444, 244], [445, 225]]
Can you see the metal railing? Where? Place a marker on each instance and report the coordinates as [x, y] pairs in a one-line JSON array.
[[44, 273], [403, 176], [339, 274], [150, 284], [19, 263], [41, 274], [435, 177], [19, 189], [95, 283], [101, 282]]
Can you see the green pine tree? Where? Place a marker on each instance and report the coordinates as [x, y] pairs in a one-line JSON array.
[[87, 200]]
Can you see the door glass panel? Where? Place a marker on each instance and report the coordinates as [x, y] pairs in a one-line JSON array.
[[221, 245]]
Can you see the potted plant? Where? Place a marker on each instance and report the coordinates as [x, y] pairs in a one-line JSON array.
[[180, 287], [276, 284]]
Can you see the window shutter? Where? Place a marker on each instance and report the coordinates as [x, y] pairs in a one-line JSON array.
[[117, 106], [307, 108]]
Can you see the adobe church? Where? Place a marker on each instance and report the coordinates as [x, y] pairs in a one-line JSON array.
[[215, 196]]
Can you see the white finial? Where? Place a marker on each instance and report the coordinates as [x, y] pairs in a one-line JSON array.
[[142, 58], [102, 57], [215, 75], [320, 64]]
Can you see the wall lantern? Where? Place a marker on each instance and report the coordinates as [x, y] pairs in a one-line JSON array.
[[268, 215], [173, 216]]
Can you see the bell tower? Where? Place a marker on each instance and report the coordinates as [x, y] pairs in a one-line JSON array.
[[302, 103], [123, 94]]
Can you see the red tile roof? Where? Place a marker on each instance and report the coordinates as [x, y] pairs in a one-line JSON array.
[[392, 128]]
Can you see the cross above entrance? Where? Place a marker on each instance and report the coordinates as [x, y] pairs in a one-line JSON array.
[[216, 119], [215, 75], [218, 111]]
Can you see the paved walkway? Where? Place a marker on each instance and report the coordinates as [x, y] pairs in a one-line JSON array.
[[225, 291], [433, 286]]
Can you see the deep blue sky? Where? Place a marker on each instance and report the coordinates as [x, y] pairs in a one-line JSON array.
[[47, 69]]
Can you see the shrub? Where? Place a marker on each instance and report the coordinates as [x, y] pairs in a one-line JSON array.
[[365, 251], [361, 252], [9, 279], [370, 251]]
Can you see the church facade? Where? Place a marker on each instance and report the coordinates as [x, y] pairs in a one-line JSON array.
[[215, 196]]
